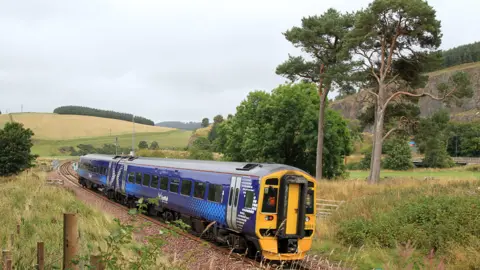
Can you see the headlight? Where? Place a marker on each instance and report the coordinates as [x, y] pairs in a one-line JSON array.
[[307, 219]]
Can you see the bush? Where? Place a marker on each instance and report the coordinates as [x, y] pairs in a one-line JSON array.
[[399, 156], [154, 146], [432, 222], [201, 143], [200, 154], [143, 145], [15, 146]]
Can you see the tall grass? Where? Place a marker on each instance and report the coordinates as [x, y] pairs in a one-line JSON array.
[[372, 214], [39, 208]]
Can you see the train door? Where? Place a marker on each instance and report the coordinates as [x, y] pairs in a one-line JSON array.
[[232, 204], [291, 208]]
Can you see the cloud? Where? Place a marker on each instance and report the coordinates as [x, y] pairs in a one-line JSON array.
[[164, 60]]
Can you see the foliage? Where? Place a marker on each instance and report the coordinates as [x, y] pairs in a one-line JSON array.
[[199, 154], [142, 145], [154, 146], [205, 122], [462, 54], [431, 222], [15, 146], [80, 110], [281, 127], [85, 149], [431, 139], [201, 143], [217, 120], [323, 39], [464, 139], [399, 155], [366, 160]]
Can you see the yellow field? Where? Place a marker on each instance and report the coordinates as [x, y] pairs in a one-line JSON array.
[[49, 126]]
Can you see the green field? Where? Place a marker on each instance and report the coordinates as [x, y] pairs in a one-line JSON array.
[[454, 173], [169, 139]]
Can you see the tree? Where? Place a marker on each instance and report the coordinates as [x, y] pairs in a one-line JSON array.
[[15, 147], [217, 120], [201, 143], [464, 139], [322, 37], [432, 138], [143, 145], [205, 122], [281, 127], [399, 155], [394, 38], [154, 146], [80, 110]]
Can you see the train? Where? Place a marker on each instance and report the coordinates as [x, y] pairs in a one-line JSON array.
[[265, 210]]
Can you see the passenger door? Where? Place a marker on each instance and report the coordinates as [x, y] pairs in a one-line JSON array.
[[232, 204]]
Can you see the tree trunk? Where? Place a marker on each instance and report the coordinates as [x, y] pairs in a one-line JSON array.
[[377, 146], [321, 120]]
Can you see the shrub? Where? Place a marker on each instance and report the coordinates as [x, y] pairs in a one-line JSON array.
[[143, 145], [399, 156], [154, 146], [15, 146], [432, 222], [200, 154]]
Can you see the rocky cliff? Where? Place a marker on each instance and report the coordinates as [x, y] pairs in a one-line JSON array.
[[469, 110]]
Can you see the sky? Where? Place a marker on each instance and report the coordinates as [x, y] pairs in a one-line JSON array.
[[163, 60]]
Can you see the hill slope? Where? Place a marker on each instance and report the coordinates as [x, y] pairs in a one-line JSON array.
[[48, 126], [353, 105]]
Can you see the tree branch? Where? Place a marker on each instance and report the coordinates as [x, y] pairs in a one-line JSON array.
[[417, 95], [392, 80], [388, 133], [392, 46], [364, 54]]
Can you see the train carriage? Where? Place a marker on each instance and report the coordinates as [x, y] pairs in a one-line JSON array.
[[265, 209]]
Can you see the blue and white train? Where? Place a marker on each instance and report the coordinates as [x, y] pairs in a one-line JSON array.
[[265, 209]]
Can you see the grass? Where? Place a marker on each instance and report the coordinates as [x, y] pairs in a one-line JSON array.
[[49, 126], [39, 209], [454, 68], [375, 203], [453, 174], [170, 139]]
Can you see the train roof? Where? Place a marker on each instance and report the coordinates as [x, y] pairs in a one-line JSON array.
[[245, 168]]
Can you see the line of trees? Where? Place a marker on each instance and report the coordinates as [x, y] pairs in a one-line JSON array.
[[467, 53], [81, 110]]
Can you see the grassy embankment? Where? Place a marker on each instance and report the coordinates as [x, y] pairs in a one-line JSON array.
[[39, 208], [401, 220], [27, 200]]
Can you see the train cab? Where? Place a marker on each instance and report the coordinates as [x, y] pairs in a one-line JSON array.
[[285, 215]]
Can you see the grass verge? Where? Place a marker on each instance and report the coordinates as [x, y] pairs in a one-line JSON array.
[[402, 222]]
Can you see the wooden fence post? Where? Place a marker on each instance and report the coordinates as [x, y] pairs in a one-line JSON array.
[[9, 264], [40, 256], [6, 255], [12, 242], [18, 228], [70, 240], [95, 263]]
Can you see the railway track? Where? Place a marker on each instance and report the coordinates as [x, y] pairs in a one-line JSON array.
[[67, 173]]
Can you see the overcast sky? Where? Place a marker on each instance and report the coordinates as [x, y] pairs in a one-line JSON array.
[[164, 60]]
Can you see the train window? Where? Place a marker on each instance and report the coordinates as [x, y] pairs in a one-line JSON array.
[[272, 181], [186, 187], [146, 179], [105, 170], [236, 196], [174, 183], [164, 183], [138, 178], [230, 197], [199, 190], [131, 176], [269, 204], [215, 193], [154, 182], [309, 201], [249, 199]]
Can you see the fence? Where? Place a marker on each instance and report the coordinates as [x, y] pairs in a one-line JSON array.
[[327, 207], [70, 248]]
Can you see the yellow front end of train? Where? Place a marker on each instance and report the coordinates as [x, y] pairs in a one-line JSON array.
[[285, 221]]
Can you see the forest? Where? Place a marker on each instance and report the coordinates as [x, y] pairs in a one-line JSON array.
[[467, 53], [80, 110]]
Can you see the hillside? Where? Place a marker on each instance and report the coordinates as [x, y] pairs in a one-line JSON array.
[[48, 126], [180, 125], [352, 106]]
